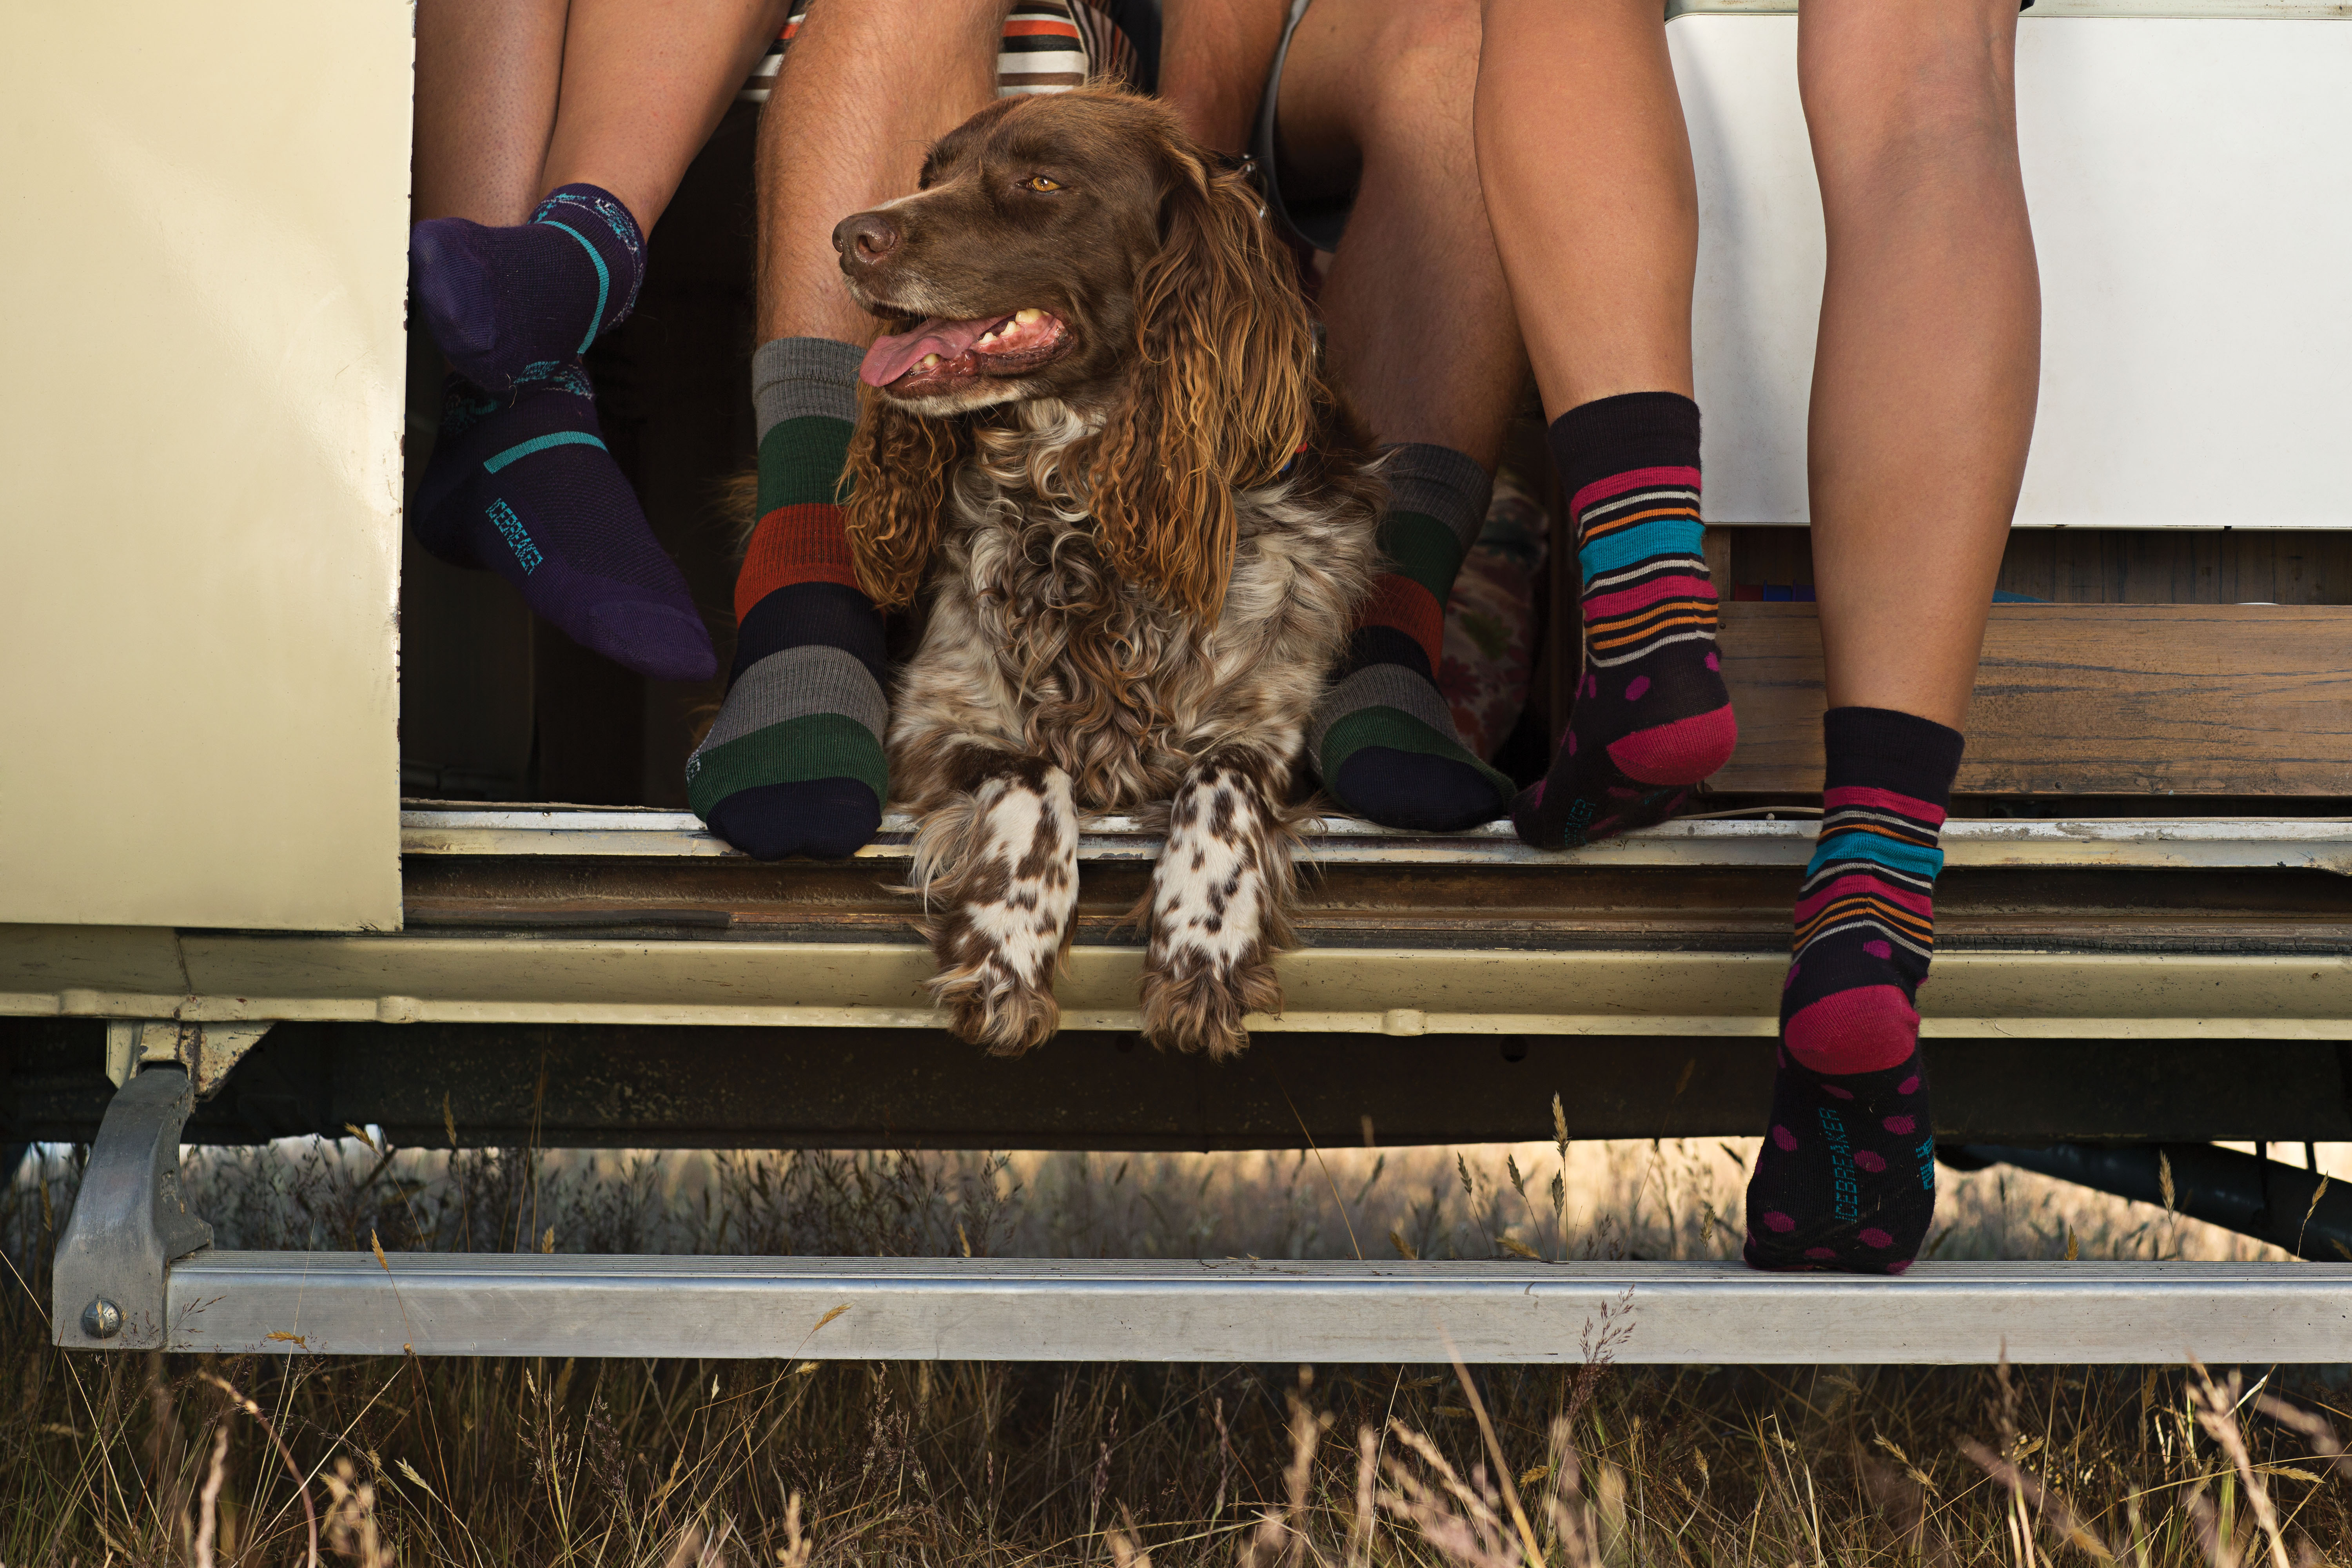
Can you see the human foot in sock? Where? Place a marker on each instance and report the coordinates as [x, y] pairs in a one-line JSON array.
[[1382, 739], [525, 488], [1846, 1179], [793, 763], [502, 300], [1652, 716]]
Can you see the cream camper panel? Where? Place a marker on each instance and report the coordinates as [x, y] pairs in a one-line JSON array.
[[200, 420], [2192, 209]]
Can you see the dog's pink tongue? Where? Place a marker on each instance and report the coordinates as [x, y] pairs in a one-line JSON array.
[[893, 357]]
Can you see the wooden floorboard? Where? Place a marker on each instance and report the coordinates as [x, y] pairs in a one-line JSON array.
[[2157, 700]]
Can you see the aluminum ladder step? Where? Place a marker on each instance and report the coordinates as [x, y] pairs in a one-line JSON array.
[[1249, 1309]]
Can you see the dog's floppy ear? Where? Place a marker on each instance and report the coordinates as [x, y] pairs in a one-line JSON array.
[[901, 466], [1222, 392]]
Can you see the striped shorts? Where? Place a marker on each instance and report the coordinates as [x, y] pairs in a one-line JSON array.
[[1048, 45]]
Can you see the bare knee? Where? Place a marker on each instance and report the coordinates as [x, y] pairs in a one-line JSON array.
[[1894, 94]]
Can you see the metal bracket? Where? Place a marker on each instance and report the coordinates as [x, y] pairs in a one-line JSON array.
[[130, 1222], [207, 1050]]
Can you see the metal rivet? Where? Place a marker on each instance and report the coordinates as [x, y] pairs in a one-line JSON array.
[[101, 1320]]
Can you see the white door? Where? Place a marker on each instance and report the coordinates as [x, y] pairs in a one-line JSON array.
[[200, 423]]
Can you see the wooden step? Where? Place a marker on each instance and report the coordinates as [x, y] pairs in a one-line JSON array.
[[2163, 699]]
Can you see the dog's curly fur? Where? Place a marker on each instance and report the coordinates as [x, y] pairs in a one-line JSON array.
[[1138, 561]]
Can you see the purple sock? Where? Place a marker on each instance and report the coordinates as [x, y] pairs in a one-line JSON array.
[[503, 303], [526, 489]]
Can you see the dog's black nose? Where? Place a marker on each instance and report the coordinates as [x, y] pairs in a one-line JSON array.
[[864, 238]]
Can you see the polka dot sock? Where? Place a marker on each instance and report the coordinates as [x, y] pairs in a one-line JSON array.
[[1652, 716], [1846, 1179]]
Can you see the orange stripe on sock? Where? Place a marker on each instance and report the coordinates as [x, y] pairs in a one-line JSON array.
[[1651, 617], [1610, 644], [1404, 605], [803, 543], [1876, 909]]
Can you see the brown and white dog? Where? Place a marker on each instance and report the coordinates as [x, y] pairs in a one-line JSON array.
[[1101, 449]]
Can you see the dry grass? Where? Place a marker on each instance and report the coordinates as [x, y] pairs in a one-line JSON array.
[[128, 1459]]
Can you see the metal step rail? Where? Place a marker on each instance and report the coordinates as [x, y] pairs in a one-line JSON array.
[[135, 1270]]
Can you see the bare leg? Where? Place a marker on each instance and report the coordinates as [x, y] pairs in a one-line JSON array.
[[865, 88], [1587, 173], [1930, 362], [1376, 100], [1422, 331], [514, 303], [1923, 404], [645, 82], [486, 81]]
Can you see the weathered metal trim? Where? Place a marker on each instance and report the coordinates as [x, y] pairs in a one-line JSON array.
[[571, 979], [206, 1051], [129, 1222], [1249, 1310], [2111, 844]]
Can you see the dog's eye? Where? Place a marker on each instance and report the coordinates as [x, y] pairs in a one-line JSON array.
[[1041, 184]]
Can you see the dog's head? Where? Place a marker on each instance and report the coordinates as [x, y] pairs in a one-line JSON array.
[[1079, 247]]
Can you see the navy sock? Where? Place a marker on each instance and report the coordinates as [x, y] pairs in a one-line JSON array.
[[527, 489], [1846, 1178], [504, 302]]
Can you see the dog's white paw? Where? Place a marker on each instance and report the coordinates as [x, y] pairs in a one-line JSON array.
[[1004, 887], [1214, 920]]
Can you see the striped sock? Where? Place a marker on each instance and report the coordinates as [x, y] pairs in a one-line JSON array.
[[793, 763], [504, 302], [1846, 1179], [524, 485], [1382, 739], [1651, 717]]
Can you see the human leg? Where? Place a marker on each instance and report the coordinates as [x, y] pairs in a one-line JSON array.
[[1375, 99], [794, 764], [1929, 359], [1923, 392], [1587, 171], [520, 482], [486, 90], [643, 86]]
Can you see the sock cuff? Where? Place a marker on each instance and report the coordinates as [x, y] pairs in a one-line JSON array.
[[596, 213], [1631, 430], [795, 378], [1442, 483], [603, 203], [1882, 748]]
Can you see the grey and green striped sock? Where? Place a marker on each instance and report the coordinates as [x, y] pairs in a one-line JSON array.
[[1382, 739], [794, 764]]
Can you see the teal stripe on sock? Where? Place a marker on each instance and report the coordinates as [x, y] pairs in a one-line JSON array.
[[1915, 858], [1666, 536], [604, 282], [541, 444]]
